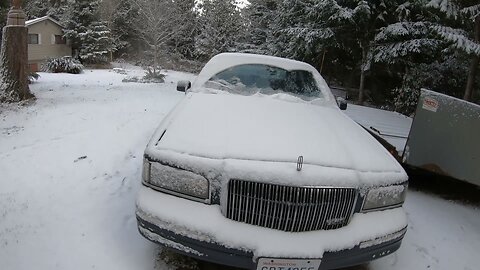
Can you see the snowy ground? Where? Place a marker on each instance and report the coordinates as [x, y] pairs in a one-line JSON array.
[[70, 167]]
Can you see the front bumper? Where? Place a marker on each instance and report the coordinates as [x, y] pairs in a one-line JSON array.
[[201, 231]]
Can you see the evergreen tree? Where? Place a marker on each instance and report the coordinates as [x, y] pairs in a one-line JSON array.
[[430, 35], [35, 8], [120, 16], [91, 38], [461, 29], [4, 7], [39, 8], [346, 27], [221, 27], [408, 47], [183, 43], [446, 74], [261, 24], [303, 31]]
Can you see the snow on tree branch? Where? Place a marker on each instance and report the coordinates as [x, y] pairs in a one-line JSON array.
[[391, 52], [458, 38], [449, 7], [309, 33], [402, 29], [472, 11]]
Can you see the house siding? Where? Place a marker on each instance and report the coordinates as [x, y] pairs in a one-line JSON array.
[[38, 53]]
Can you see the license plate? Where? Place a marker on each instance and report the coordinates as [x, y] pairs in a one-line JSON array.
[[287, 264]]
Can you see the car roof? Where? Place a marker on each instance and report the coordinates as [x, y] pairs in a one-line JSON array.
[[225, 61]]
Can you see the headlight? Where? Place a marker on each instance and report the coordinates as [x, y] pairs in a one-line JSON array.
[[175, 180], [146, 170], [385, 197]]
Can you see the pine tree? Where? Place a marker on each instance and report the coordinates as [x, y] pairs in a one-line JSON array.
[[91, 38], [4, 7], [346, 27], [466, 37], [120, 16], [261, 24], [39, 8], [221, 27], [427, 33], [301, 32], [35, 8], [183, 43]]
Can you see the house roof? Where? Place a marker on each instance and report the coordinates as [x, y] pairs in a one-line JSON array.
[[41, 19]]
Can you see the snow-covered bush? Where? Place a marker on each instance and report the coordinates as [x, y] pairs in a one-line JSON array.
[[64, 64], [131, 79], [153, 74], [120, 71], [32, 76], [446, 75], [405, 99]]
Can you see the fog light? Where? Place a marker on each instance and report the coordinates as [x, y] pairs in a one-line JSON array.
[[383, 239]]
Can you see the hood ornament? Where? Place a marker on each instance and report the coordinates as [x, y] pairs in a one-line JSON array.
[[299, 163]]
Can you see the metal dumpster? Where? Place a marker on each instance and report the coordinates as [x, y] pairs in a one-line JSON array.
[[445, 137]]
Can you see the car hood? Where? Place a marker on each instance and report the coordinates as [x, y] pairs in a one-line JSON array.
[[260, 128]]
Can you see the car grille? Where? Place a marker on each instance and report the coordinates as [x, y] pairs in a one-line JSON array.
[[287, 208]]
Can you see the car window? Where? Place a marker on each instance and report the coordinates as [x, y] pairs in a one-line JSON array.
[[251, 79]]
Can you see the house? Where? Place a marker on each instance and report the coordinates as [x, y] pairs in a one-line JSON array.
[[45, 40]]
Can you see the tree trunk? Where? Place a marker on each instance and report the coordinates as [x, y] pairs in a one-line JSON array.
[[14, 65], [155, 57], [471, 78], [361, 89], [473, 65], [323, 60]]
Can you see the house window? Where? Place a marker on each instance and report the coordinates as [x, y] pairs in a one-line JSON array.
[[59, 39], [33, 39]]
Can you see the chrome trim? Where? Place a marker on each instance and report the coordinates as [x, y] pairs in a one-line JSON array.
[[290, 208]]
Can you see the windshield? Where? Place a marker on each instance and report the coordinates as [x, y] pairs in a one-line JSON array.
[[268, 80]]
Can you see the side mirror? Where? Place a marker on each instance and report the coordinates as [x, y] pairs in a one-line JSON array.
[[183, 86], [342, 103]]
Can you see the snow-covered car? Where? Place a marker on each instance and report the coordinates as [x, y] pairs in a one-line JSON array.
[[258, 168]]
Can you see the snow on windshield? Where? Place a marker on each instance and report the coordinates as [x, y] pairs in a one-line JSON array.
[[251, 79]]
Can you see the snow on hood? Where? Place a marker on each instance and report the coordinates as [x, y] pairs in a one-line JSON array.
[[225, 61], [271, 131]]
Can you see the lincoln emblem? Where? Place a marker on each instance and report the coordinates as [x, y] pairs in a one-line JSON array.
[[300, 163]]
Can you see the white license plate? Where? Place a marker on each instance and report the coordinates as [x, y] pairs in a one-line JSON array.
[[287, 264]]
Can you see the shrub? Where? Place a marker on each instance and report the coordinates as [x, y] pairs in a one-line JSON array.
[[64, 64], [153, 75], [32, 76], [130, 79], [405, 99]]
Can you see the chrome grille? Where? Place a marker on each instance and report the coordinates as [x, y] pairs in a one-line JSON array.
[[287, 208]]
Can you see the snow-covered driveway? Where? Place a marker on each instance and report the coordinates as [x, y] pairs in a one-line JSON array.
[[70, 167]]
